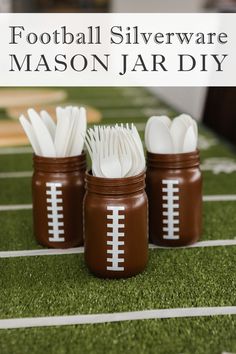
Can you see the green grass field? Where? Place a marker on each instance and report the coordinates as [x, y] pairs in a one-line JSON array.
[[175, 278]]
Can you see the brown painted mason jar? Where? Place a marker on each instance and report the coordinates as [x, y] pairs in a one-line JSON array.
[[115, 222], [58, 192], [174, 189]]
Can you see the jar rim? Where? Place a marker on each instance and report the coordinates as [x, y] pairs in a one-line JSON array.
[[59, 164], [58, 160], [178, 160], [103, 185]]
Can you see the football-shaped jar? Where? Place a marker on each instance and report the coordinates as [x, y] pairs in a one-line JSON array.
[[174, 189], [115, 224], [58, 192]]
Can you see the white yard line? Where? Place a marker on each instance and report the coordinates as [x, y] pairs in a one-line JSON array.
[[16, 150], [30, 322], [15, 207], [206, 198], [76, 250], [208, 243], [41, 252], [123, 113], [220, 198], [20, 174], [133, 113]]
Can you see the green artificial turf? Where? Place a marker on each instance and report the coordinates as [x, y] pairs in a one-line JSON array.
[[219, 220], [105, 92], [14, 191], [220, 184], [17, 162], [169, 336], [2, 113], [117, 102], [58, 285], [62, 285], [17, 228], [18, 193]]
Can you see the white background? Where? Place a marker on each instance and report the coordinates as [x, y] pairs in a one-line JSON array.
[[146, 22]]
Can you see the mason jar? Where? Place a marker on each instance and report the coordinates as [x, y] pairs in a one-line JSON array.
[[116, 227], [58, 192], [174, 189]]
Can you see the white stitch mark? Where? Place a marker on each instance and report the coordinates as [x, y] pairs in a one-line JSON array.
[[117, 243], [113, 226], [55, 227], [170, 230]]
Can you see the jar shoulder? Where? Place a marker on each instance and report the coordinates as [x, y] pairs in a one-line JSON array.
[[100, 201], [185, 174], [66, 179], [57, 175]]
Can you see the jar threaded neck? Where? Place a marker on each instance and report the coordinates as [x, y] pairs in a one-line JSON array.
[[114, 186], [59, 164], [173, 161]]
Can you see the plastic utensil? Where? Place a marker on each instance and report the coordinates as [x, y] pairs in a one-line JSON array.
[[74, 117], [79, 133], [49, 122], [62, 131], [195, 128], [125, 154], [70, 135], [136, 163], [190, 141], [136, 147], [178, 130], [93, 147], [115, 152], [42, 134], [137, 138], [30, 134], [109, 160], [164, 119], [159, 138], [190, 121]]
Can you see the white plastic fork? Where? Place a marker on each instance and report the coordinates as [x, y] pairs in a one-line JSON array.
[[109, 159], [139, 145], [93, 147], [125, 154], [135, 168]]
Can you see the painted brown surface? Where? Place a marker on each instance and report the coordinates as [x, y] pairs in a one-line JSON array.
[[70, 173], [185, 169], [129, 194]]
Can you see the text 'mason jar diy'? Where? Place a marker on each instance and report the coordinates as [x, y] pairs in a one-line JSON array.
[[58, 192], [115, 224], [174, 189]]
